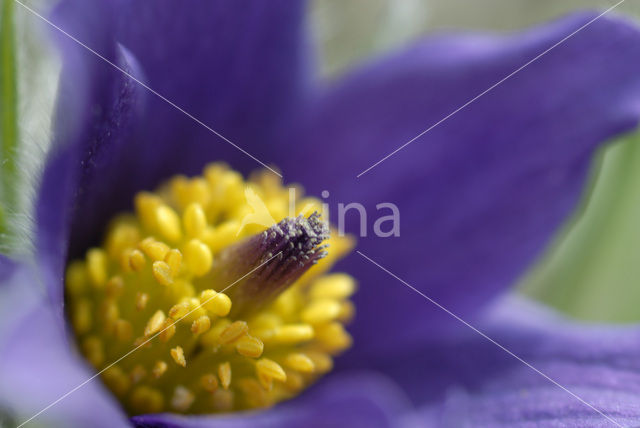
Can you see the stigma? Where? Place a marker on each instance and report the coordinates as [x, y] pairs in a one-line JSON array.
[[187, 307]]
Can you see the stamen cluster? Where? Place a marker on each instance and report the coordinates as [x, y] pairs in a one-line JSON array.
[[155, 285]]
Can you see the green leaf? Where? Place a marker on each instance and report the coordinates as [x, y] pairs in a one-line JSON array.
[[593, 269], [8, 118]]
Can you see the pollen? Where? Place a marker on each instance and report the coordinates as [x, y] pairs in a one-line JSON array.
[[205, 311]]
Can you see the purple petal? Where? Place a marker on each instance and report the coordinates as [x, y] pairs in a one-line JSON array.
[[354, 400], [6, 267], [38, 365], [472, 382], [481, 194], [95, 113], [234, 66]]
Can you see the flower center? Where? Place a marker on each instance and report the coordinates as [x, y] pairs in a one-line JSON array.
[[191, 306]]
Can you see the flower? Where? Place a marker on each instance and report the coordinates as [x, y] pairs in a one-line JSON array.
[[480, 196]]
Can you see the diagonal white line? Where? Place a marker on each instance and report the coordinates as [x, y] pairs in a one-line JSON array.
[[145, 342], [163, 98], [492, 87], [613, 421]]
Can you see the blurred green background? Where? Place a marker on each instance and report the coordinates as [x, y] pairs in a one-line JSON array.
[[592, 269]]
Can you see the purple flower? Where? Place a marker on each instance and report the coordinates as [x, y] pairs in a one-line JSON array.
[[480, 196]]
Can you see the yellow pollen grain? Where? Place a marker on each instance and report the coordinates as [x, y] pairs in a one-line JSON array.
[[223, 235], [212, 337], [76, 278], [146, 204], [271, 369], [168, 223], [136, 260], [174, 260], [217, 303], [178, 356], [141, 300], [300, 362], [321, 311], [142, 342], [224, 373], [194, 220], [124, 234], [162, 273], [179, 310], [188, 191], [293, 333], [321, 360], [158, 369], [195, 309], [97, 266], [333, 337], [209, 382], [168, 330], [234, 332], [249, 346], [81, 316], [334, 286], [201, 325], [155, 250], [109, 314], [198, 257], [155, 323], [93, 350]]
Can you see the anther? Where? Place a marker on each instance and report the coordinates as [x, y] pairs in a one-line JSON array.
[[159, 368], [224, 373], [178, 356]]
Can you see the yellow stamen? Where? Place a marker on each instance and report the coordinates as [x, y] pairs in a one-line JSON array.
[[234, 332], [224, 373], [136, 260], [159, 368], [249, 346], [168, 223], [162, 273], [321, 311], [300, 362], [217, 303], [271, 369], [97, 266], [201, 325], [154, 324], [194, 220], [178, 356], [198, 257], [293, 333], [209, 382], [153, 249], [141, 300]]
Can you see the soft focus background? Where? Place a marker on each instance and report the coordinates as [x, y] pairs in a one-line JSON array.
[[591, 271]]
